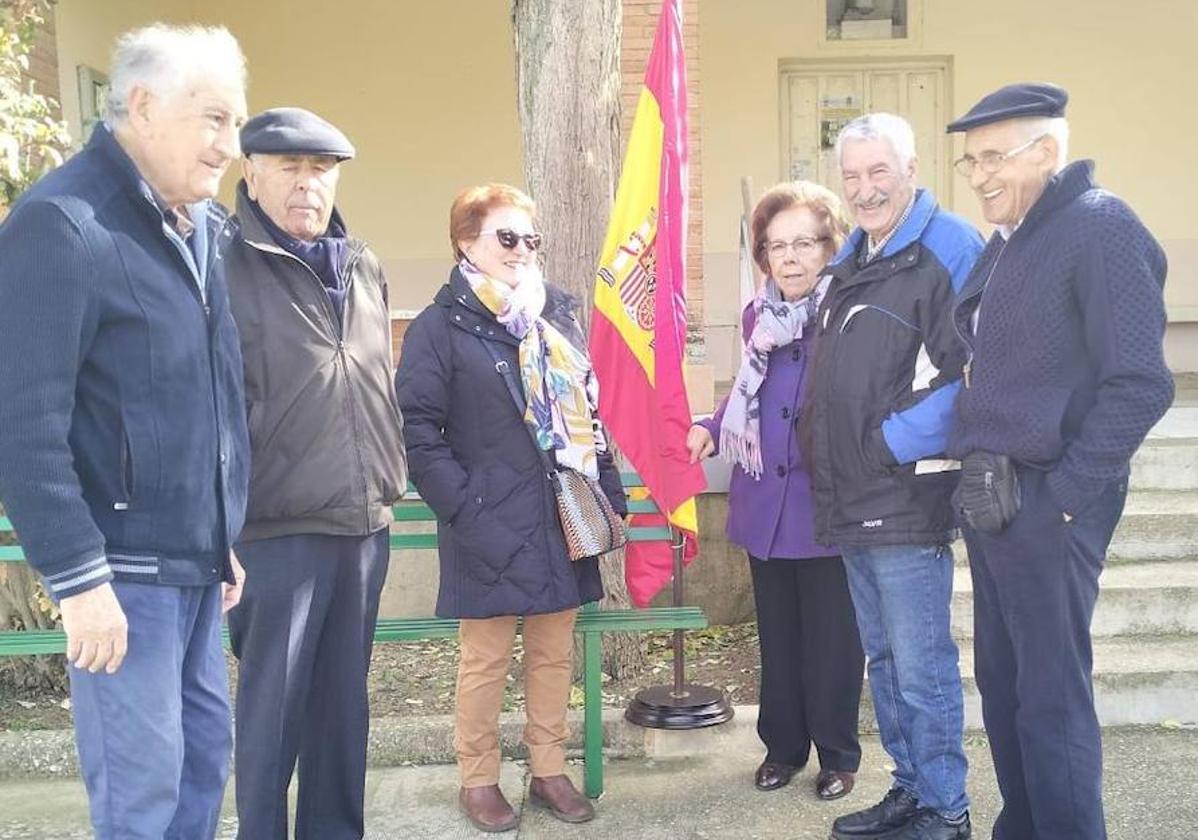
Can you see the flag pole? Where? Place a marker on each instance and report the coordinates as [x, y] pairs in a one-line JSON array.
[[682, 705], [678, 545]]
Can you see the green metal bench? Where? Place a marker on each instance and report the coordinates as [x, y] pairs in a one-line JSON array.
[[592, 622]]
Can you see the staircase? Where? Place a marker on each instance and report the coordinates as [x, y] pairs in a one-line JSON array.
[[1146, 624]]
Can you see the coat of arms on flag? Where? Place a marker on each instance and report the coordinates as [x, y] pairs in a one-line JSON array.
[[633, 272]]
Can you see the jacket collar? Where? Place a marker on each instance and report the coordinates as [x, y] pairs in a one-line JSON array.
[[103, 141], [1061, 189], [255, 233], [921, 214]]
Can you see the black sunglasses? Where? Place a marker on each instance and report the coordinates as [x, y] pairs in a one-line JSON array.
[[508, 238]]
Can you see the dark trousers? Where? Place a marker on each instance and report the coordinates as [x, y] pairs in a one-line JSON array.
[[303, 633], [811, 662], [1034, 590]]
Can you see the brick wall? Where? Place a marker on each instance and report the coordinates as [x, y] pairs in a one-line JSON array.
[[43, 63], [640, 24]]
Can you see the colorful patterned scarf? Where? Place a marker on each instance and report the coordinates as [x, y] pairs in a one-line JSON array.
[[779, 322], [559, 384]]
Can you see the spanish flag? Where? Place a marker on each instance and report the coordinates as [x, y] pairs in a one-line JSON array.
[[638, 326]]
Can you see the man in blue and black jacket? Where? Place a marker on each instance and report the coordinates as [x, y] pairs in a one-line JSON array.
[[1063, 319], [123, 445], [886, 370]]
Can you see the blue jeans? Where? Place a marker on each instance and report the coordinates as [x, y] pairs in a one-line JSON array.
[[901, 595], [154, 738]]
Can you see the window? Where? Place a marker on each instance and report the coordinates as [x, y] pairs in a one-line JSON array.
[[867, 20]]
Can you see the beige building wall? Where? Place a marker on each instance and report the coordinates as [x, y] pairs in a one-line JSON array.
[[425, 91], [1127, 67], [426, 94]]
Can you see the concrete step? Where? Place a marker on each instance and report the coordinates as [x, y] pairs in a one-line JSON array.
[[1156, 598], [1156, 525], [1137, 680], [1166, 462]]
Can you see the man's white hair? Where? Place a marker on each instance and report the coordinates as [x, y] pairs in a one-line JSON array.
[[1055, 127], [890, 127], [165, 59]]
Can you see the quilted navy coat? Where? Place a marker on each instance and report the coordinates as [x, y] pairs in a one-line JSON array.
[[472, 459]]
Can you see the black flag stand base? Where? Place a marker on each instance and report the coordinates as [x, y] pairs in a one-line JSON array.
[[682, 705]]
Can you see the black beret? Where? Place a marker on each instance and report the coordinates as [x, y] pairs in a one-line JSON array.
[[293, 131], [1025, 99]]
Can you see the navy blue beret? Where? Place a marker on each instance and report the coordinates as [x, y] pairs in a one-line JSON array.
[[293, 131], [1025, 99]]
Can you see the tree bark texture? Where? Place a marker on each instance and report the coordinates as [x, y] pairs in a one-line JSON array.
[[568, 95], [24, 606]]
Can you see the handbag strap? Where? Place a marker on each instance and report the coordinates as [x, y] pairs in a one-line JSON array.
[[504, 369]]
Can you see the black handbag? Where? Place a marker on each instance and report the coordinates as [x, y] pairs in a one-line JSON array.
[[987, 496], [589, 523]]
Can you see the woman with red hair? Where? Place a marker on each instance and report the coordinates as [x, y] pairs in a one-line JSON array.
[[493, 371]]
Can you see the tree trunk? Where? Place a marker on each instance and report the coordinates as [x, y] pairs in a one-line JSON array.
[[24, 606], [568, 94]]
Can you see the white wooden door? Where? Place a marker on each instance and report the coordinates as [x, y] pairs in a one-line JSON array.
[[817, 99]]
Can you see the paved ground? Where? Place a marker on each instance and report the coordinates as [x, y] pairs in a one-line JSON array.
[[1151, 779]]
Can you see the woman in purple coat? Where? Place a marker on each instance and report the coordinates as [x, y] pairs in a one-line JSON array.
[[811, 658]]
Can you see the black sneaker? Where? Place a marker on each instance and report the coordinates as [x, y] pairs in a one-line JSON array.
[[896, 809], [928, 825]]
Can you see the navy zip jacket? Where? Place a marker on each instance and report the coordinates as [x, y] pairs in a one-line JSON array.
[[123, 445], [1066, 371], [883, 377]]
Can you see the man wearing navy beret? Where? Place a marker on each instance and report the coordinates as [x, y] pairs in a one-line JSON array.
[[1063, 317], [327, 463]]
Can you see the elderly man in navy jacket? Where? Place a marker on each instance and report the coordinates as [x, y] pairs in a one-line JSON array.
[[123, 455], [1064, 318]]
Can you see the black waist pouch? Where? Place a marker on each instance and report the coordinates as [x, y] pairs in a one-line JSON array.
[[987, 497]]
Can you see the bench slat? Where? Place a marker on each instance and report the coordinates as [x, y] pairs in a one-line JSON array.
[[413, 541], [30, 642], [413, 512], [14, 553], [421, 512]]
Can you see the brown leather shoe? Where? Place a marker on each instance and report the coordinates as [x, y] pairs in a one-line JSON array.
[[771, 775], [487, 808], [558, 794], [833, 784]]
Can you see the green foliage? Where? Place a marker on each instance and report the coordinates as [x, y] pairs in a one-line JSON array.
[[32, 141]]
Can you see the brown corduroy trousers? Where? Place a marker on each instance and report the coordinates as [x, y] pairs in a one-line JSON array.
[[486, 655]]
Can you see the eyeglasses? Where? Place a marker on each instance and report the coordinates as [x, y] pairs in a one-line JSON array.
[[991, 162], [508, 238], [802, 245]]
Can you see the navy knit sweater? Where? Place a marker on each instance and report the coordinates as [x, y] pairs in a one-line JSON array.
[[1066, 369]]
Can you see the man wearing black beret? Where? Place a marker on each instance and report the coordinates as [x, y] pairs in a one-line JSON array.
[[328, 461], [1063, 317]]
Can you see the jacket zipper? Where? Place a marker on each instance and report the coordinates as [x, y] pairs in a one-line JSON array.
[[967, 369], [126, 481], [337, 327]]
